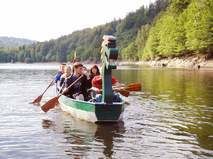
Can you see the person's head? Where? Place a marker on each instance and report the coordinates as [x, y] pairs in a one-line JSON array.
[[62, 67], [68, 71], [78, 68], [94, 71]]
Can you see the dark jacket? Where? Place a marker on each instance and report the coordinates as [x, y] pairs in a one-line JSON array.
[[79, 87]]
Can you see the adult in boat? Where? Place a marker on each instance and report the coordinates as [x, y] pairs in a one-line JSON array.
[[59, 74], [79, 89]]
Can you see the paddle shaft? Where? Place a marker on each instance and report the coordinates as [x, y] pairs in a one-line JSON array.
[[59, 94], [48, 87], [130, 87], [38, 99], [52, 102]]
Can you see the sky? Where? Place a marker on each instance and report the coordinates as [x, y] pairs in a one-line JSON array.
[[42, 20]]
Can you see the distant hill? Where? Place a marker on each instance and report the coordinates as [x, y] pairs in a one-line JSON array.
[[14, 42]]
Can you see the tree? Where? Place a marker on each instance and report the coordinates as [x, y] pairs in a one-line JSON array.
[[199, 26]]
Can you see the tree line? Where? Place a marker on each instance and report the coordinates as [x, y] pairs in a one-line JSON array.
[[165, 28]]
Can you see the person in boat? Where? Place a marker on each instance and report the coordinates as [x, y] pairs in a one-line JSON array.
[[97, 86], [94, 71], [67, 74], [59, 74], [79, 89], [97, 82]]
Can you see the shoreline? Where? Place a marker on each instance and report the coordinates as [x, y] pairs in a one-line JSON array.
[[193, 62], [190, 62]]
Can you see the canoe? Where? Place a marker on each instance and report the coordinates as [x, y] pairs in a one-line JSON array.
[[92, 112], [107, 110]]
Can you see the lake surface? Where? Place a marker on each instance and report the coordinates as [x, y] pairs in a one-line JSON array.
[[171, 118]]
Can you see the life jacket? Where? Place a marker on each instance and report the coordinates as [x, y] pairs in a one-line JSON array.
[[97, 81]]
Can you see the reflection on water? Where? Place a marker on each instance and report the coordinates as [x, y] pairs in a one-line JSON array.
[[171, 118], [107, 133], [83, 137]]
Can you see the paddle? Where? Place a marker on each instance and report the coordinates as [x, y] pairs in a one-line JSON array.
[[54, 101], [38, 99], [130, 87], [125, 90], [122, 92]]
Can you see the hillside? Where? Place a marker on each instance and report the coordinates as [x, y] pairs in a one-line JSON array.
[[14, 42], [185, 28], [86, 42]]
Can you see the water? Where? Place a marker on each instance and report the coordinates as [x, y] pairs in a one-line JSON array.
[[171, 118]]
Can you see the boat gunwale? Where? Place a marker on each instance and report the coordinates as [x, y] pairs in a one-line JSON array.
[[92, 103]]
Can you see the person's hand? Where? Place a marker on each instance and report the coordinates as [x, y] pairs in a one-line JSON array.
[[65, 90], [86, 73]]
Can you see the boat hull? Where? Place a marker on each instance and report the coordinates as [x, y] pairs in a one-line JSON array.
[[92, 112]]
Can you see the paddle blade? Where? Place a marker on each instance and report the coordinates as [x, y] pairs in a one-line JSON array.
[[50, 104], [135, 87], [123, 92], [133, 84], [37, 100]]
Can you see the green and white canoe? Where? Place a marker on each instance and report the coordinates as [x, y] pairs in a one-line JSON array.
[[107, 110], [92, 112]]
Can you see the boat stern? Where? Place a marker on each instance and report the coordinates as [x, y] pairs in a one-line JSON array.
[[109, 112]]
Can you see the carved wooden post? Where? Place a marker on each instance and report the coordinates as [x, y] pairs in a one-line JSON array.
[[109, 52]]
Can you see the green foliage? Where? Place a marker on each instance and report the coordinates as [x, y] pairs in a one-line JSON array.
[[151, 45], [141, 39], [171, 36], [87, 42], [129, 52], [198, 26], [165, 28], [185, 27]]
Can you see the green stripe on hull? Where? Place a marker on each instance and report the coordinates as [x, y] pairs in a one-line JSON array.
[[92, 112], [77, 104]]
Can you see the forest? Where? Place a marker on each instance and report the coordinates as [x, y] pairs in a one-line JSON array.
[[166, 28]]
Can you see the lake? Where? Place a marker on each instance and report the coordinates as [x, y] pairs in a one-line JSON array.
[[172, 117]]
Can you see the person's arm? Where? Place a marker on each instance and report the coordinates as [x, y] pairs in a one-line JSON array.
[[57, 77], [62, 80]]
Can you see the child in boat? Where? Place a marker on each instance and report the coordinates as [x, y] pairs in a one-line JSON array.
[[79, 89], [97, 86], [58, 75], [67, 74], [94, 71], [97, 82]]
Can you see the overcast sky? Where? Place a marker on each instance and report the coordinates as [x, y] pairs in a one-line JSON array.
[[47, 19]]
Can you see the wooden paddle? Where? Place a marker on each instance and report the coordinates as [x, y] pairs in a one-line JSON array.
[[125, 90], [130, 87], [133, 87], [54, 101], [122, 92], [38, 99]]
